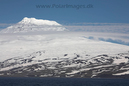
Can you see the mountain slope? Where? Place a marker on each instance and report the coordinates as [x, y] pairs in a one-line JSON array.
[[61, 55], [32, 24], [55, 45], [104, 66]]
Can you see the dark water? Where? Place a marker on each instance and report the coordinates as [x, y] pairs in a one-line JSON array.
[[62, 82]]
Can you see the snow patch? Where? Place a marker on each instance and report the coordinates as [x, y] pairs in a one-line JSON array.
[[123, 73]]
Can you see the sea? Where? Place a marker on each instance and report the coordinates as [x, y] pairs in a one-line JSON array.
[[29, 81]]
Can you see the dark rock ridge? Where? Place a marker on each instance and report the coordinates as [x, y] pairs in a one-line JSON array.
[[101, 66]]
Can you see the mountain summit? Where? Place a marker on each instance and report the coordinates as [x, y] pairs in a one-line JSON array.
[[38, 21], [32, 24]]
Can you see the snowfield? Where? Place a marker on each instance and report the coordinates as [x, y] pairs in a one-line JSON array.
[[55, 45]]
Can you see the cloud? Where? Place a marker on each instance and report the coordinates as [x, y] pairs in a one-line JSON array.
[[4, 25], [100, 27], [97, 24], [91, 27], [117, 38], [117, 41]]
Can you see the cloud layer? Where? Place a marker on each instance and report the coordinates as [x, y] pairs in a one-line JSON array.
[[91, 27]]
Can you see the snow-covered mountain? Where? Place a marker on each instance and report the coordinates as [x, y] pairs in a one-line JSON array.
[[32, 24], [101, 66], [49, 50], [61, 54]]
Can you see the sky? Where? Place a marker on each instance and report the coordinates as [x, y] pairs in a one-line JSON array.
[[89, 11]]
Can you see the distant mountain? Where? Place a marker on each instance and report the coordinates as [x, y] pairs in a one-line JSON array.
[[32, 24]]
